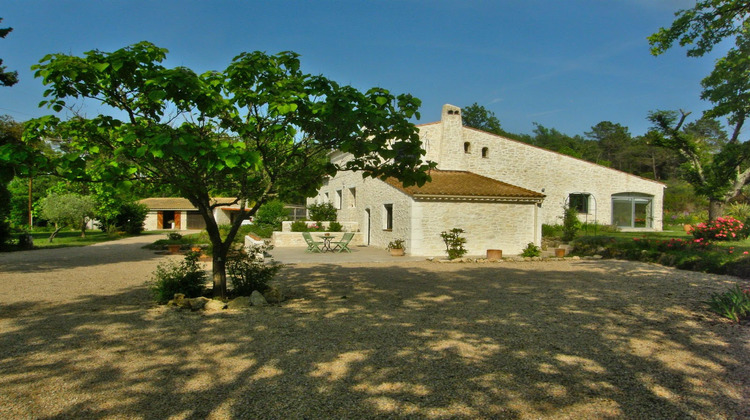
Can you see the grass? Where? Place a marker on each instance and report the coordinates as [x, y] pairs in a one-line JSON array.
[[71, 238]]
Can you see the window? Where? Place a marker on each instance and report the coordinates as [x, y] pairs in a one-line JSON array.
[[485, 152], [388, 217], [352, 197], [579, 201], [339, 199], [467, 147], [327, 198], [632, 210]]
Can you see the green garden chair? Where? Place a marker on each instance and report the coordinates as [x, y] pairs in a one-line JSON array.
[[343, 244], [312, 246]]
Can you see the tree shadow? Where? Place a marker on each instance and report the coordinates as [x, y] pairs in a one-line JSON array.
[[489, 341]]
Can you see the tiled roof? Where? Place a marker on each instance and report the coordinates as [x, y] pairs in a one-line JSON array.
[[462, 184], [176, 203]]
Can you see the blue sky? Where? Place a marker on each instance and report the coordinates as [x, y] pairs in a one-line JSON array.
[[564, 64]]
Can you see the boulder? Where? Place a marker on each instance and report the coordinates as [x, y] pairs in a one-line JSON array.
[[214, 305], [274, 295], [241, 302], [198, 303], [257, 299]]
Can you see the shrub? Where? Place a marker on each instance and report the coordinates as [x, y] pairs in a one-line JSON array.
[[571, 224], [172, 277], [721, 229], [396, 244], [335, 227], [454, 243], [174, 236], [299, 226], [552, 231], [739, 211], [247, 272], [127, 217], [323, 212], [531, 250], [733, 304], [271, 214]]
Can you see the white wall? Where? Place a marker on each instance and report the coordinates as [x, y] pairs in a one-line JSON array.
[[535, 169]]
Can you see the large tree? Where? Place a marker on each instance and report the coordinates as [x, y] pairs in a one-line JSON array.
[[253, 132], [717, 167], [477, 116], [7, 78]]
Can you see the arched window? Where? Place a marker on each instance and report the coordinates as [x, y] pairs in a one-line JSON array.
[[467, 147], [485, 152]]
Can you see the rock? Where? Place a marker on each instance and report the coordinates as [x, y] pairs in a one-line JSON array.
[[257, 299], [274, 295], [214, 305], [197, 303], [242, 302]]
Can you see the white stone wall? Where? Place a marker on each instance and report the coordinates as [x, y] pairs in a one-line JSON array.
[[517, 163], [150, 222], [487, 225], [371, 194]]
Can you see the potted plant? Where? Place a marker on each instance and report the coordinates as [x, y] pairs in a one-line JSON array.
[[396, 247]]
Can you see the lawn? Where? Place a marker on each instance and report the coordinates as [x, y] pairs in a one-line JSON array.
[[70, 238]]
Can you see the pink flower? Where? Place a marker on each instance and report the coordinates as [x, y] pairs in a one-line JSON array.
[[744, 253]]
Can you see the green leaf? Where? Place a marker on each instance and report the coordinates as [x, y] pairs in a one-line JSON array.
[[101, 66], [381, 100], [157, 95], [286, 108]]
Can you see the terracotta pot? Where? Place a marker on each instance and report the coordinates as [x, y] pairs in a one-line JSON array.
[[494, 254], [397, 252], [174, 249], [559, 252]]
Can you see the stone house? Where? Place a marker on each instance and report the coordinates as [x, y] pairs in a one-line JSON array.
[[499, 191], [179, 214]]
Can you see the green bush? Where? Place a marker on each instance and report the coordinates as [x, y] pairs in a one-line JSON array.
[[174, 236], [323, 212], [271, 214], [128, 217], [571, 224], [335, 227], [733, 304], [172, 277], [454, 243], [531, 250], [247, 273], [739, 211], [552, 231]]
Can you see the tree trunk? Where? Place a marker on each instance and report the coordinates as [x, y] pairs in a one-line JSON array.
[[715, 209], [57, 229], [83, 228], [220, 272]]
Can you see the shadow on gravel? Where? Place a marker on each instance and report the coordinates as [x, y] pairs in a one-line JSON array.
[[474, 341], [63, 258]]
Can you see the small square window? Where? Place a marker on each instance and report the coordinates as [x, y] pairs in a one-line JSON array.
[[580, 202]]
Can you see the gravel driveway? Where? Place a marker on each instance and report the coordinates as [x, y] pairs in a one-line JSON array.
[[585, 339]]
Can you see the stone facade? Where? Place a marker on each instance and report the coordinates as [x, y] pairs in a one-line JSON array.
[[602, 195]]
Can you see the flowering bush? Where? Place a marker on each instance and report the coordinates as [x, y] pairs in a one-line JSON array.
[[721, 229]]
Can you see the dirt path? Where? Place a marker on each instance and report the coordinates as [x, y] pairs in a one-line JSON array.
[[589, 339], [63, 274]]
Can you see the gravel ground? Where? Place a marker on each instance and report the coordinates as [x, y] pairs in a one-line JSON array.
[[569, 339]]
